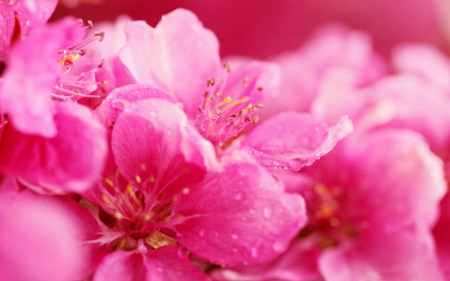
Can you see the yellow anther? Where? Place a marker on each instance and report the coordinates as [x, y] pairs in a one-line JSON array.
[[109, 182], [138, 179], [143, 167], [225, 101], [186, 190], [236, 102], [152, 178], [148, 216], [68, 58], [107, 201], [118, 215], [131, 192]]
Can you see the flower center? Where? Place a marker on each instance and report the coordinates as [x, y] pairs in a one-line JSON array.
[[227, 107], [137, 212], [328, 220], [78, 78]]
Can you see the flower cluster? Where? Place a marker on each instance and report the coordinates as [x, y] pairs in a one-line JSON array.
[[136, 152]]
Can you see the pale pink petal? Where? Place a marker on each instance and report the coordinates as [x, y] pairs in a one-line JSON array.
[[293, 140], [177, 57], [412, 182], [67, 163], [31, 73], [46, 238], [298, 263], [165, 263], [108, 111], [151, 140], [241, 215], [423, 60], [405, 255]]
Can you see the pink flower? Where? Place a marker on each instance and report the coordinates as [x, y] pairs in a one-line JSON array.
[[163, 191], [51, 145], [371, 204], [181, 58]]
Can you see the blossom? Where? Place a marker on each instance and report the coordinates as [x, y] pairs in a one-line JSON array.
[[50, 143], [361, 225], [223, 103], [163, 191]]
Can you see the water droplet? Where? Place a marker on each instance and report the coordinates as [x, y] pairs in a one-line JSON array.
[[234, 236], [239, 196], [255, 252], [201, 233], [279, 246], [267, 212]]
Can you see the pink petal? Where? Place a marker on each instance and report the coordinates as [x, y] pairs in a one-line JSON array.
[[293, 140], [152, 139], [46, 238], [166, 263], [108, 111], [412, 183], [67, 163], [299, 262], [31, 73], [240, 215], [188, 52], [405, 255], [424, 60]]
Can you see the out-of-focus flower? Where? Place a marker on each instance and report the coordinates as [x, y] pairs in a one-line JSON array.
[[17, 17], [50, 143], [162, 191], [261, 30], [44, 237], [371, 203]]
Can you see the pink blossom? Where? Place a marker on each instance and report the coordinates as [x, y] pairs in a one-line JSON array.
[[164, 187], [223, 103], [51, 145], [361, 225]]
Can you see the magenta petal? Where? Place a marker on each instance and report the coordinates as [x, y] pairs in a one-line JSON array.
[[293, 140], [67, 163], [405, 255], [239, 215], [299, 262], [188, 52], [165, 263], [46, 238], [31, 73], [412, 183], [108, 111], [151, 139]]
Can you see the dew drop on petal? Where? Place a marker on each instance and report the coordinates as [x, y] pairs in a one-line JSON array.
[[255, 252], [279, 246], [267, 212]]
